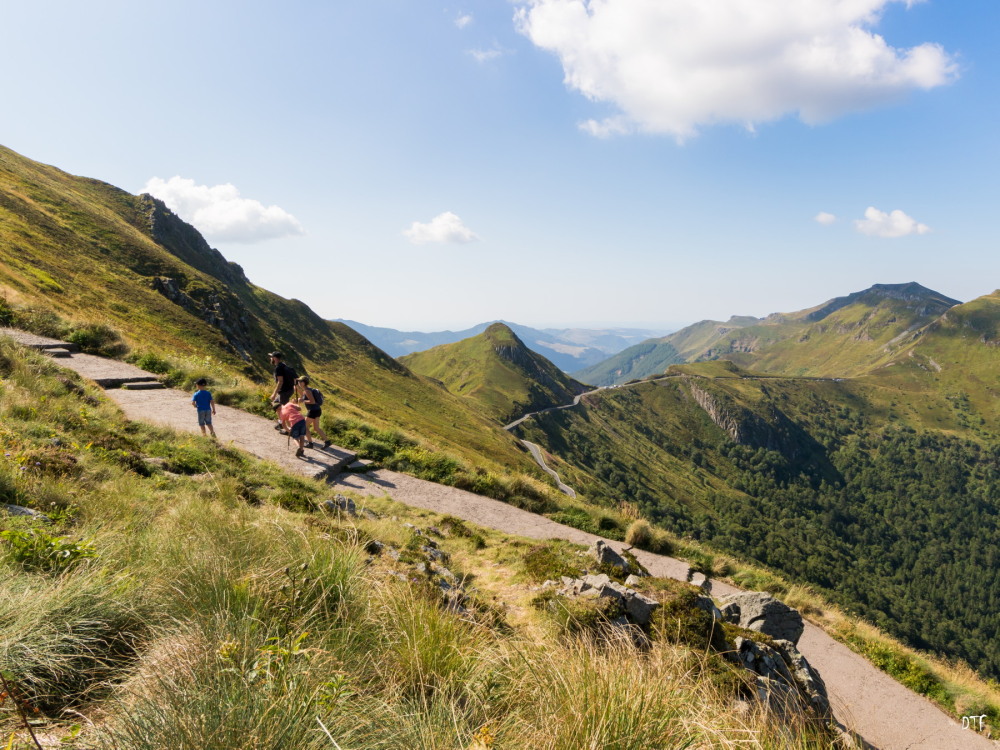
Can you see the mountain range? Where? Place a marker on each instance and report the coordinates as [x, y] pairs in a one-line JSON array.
[[842, 337], [567, 348]]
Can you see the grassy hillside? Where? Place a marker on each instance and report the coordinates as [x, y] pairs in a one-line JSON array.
[[102, 259], [182, 595], [888, 499], [497, 373]]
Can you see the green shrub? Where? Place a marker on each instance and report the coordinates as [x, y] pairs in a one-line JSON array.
[[551, 561], [36, 551], [97, 338]]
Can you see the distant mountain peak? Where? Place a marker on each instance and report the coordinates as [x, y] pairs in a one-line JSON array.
[[932, 303]]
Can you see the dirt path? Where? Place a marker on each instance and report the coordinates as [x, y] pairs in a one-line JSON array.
[[886, 714]]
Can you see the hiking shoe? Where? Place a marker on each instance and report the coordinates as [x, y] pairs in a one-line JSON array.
[[327, 443], [278, 427], [299, 453], [310, 444]]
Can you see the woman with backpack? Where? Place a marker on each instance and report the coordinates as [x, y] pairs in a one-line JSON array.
[[313, 400]]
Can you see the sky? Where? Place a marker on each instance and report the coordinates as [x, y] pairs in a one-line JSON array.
[[430, 165]]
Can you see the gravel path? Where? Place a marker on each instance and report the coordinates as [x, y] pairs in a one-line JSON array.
[[255, 435], [886, 714]]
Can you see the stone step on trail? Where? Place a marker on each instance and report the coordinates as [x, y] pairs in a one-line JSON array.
[[143, 385], [57, 352], [34, 341]]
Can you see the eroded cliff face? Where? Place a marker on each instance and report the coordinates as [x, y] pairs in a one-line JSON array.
[[771, 430]]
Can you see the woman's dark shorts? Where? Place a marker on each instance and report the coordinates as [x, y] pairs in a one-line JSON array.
[[314, 413]]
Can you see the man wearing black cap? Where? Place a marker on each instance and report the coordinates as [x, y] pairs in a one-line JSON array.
[[284, 382]]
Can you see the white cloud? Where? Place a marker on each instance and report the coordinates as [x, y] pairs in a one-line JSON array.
[[485, 55], [446, 227], [670, 67], [894, 224], [463, 20], [824, 218], [219, 212]]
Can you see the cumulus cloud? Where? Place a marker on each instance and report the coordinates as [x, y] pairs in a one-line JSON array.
[[670, 67], [824, 218], [894, 224], [463, 20], [221, 214], [446, 227]]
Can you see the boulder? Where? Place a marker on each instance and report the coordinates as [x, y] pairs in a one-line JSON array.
[[605, 555], [784, 677], [17, 510], [341, 504], [757, 610], [639, 607]]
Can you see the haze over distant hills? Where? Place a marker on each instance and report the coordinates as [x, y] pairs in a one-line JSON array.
[[567, 348], [843, 337]]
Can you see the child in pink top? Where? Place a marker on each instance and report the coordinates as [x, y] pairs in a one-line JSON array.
[[293, 421]]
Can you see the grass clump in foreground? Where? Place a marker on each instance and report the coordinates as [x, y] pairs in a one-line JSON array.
[[215, 610]]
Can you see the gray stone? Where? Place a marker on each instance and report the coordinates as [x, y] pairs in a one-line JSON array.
[[341, 504], [757, 610], [17, 510], [640, 608], [605, 555], [434, 554], [706, 603], [374, 547], [806, 677], [785, 678], [633, 580]]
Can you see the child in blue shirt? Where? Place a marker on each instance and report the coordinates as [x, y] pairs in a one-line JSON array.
[[202, 401]]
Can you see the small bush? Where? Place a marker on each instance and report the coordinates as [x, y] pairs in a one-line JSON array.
[[549, 562], [97, 338], [36, 551]]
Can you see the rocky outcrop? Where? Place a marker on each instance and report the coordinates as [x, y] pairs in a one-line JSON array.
[[759, 611], [785, 680], [224, 314], [638, 607]]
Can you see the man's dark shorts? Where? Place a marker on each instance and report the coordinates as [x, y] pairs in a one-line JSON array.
[[285, 396]]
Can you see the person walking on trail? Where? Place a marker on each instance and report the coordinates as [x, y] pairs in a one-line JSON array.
[[313, 401], [293, 421], [202, 401], [284, 383]]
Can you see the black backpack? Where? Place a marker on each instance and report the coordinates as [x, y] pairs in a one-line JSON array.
[[317, 396]]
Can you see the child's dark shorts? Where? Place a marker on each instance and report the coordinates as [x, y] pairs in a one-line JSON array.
[[298, 429], [204, 417]]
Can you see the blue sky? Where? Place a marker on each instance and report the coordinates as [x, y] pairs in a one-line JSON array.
[[426, 165]]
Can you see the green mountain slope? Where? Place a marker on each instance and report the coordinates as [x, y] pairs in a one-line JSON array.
[[497, 372], [844, 337], [90, 252]]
